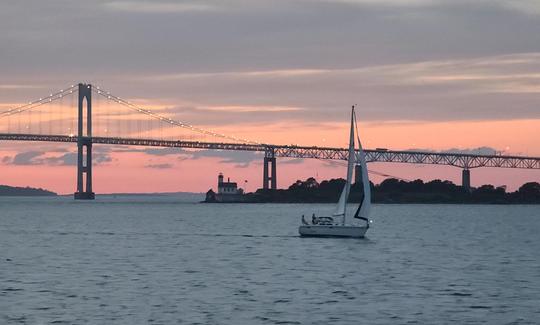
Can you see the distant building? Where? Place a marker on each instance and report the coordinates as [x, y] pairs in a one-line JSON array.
[[226, 192], [228, 187]]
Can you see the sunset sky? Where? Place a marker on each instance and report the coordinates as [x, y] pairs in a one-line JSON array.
[[426, 74]]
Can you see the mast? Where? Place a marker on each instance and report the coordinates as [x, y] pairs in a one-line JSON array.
[[342, 203]]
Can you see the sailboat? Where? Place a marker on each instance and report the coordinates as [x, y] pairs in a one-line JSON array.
[[339, 225]]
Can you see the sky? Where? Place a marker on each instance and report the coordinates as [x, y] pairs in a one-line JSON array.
[[425, 74]]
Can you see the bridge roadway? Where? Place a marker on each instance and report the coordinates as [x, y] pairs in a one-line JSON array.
[[465, 161]]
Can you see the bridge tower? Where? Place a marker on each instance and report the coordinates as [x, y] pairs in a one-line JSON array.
[[84, 145], [466, 179], [269, 180]]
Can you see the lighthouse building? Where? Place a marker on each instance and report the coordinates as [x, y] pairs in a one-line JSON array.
[[226, 191], [228, 187]]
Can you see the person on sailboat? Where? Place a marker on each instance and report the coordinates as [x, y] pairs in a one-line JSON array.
[[314, 219], [304, 222]]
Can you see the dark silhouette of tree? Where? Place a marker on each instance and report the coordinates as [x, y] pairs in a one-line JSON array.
[[529, 192], [392, 190]]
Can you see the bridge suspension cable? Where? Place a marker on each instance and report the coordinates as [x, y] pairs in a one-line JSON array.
[[41, 101], [167, 120]]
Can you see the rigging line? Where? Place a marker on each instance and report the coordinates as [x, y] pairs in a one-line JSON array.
[[356, 130], [371, 171], [387, 175], [37, 103], [362, 152], [134, 107]]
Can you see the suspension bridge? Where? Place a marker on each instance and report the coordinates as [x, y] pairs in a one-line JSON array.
[[70, 116]]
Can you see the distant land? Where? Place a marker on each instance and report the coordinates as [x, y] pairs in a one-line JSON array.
[[389, 191], [397, 191], [153, 194], [185, 197], [6, 190]]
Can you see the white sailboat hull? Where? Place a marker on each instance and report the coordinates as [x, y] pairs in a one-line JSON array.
[[332, 231]]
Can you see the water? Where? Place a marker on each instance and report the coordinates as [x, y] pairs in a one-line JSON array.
[[157, 260]]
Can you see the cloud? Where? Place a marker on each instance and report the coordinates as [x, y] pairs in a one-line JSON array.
[[235, 74], [477, 88], [67, 159], [19, 87], [527, 7], [295, 161], [485, 150], [494, 69], [42, 158], [241, 159], [151, 151], [334, 163], [159, 7], [267, 61], [391, 3], [162, 151], [26, 158], [250, 109], [159, 166]]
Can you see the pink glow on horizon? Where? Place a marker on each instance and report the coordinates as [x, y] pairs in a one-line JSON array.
[[127, 174], [130, 172]]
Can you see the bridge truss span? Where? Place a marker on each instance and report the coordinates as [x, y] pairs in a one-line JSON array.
[[465, 161]]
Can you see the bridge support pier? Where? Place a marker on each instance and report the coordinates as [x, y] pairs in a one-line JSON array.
[[84, 143], [357, 174], [466, 179], [269, 176]]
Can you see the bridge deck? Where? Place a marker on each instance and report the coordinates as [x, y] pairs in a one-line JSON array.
[[412, 157]]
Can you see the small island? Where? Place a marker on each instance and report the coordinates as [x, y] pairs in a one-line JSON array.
[[6, 190], [395, 191]]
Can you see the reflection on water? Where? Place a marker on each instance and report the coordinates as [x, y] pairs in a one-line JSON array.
[[161, 260]]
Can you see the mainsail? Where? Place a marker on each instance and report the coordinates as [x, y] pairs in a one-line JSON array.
[[342, 203], [365, 205]]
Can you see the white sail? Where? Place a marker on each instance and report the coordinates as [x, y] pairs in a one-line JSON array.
[[365, 206], [342, 203]]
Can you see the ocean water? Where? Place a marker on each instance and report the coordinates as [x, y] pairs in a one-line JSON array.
[[163, 260]]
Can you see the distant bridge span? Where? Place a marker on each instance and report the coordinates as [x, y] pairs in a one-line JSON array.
[[464, 161], [22, 117]]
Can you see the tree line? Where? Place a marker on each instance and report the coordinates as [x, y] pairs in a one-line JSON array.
[[393, 190]]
